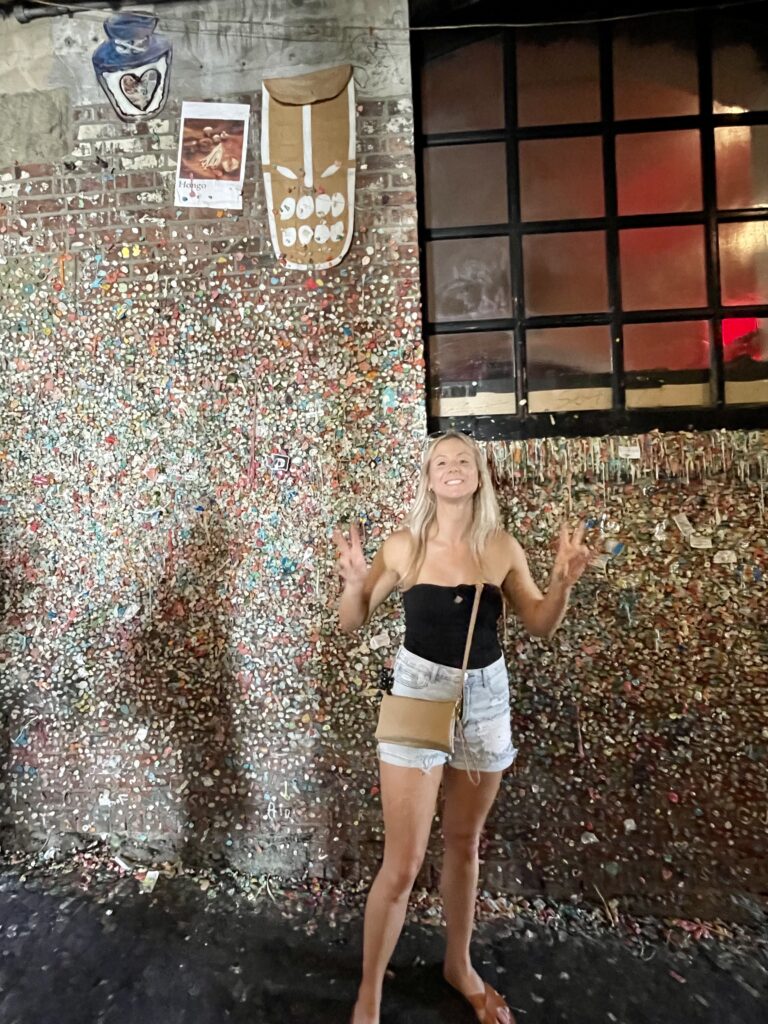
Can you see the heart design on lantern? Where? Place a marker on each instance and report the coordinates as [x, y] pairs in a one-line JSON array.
[[140, 89]]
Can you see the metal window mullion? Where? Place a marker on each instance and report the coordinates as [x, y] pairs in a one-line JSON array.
[[471, 326], [575, 225], [418, 136], [742, 216], [513, 215], [468, 231], [633, 126], [635, 316], [611, 217], [588, 423], [709, 200], [462, 138]]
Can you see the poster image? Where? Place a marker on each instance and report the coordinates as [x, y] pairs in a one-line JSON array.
[[212, 150]]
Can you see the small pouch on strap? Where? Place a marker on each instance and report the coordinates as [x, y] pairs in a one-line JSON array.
[[413, 722]]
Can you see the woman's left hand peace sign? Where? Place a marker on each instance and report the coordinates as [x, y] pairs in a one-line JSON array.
[[573, 555]]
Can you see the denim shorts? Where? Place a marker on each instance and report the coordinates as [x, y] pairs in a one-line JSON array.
[[486, 743]]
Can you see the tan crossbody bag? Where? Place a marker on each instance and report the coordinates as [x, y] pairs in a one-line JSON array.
[[414, 722]]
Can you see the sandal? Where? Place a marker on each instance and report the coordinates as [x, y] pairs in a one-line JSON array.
[[486, 1005]]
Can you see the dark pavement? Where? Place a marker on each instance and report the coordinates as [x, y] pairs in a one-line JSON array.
[[80, 949]]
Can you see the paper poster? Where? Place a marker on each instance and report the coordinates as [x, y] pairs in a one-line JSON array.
[[629, 451], [211, 161], [698, 540], [683, 523], [308, 162], [725, 557]]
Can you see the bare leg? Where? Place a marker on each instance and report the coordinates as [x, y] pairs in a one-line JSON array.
[[408, 798], [466, 808]]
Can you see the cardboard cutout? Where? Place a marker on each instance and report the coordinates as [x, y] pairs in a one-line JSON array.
[[308, 160]]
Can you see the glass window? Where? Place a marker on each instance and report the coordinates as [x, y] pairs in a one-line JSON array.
[[667, 364], [569, 368], [745, 355], [662, 268], [742, 166], [565, 273], [744, 263], [739, 79], [654, 70], [523, 260], [561, 178], [658, 172], [468, 279], [465, 185], [558, 79], [472, 374], [462, 88]]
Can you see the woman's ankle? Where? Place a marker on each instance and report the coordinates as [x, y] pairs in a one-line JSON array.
[[369, 997], [457, 968], [363, 1015]]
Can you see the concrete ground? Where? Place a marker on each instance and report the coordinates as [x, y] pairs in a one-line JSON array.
[[79, 947]]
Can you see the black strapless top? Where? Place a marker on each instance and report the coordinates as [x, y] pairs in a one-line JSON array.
[[437, 621]]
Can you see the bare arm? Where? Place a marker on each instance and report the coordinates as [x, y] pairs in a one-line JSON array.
[[541, 614], [364, 589]]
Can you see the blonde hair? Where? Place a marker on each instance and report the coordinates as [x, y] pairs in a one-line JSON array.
[[486, 518]]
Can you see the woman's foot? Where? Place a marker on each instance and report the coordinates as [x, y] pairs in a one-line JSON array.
[[488, 1005]]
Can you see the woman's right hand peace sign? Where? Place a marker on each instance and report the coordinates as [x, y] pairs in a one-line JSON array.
[[353, 568]]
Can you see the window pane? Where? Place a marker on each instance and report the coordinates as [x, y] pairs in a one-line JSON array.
[[472, 374], [742, 166], [569, 368], [565, 273], [465, 185], [744, 263], [561, 178], [654, 69], [667, 364], [557, 77], [468, 279], [462, 90], [739, 78], [662, 268], [745, 353], [658, 172]]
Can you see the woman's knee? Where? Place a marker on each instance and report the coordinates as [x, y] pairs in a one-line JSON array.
[[462, 844], [399, 873]]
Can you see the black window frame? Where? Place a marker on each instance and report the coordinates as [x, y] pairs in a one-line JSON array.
[[618, 420]]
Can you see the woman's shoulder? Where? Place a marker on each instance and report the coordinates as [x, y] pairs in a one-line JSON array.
[[501, 543], [399, 542], [398, 549], [501, 538]]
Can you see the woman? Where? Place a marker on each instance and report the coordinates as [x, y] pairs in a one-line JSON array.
[[453, 540]]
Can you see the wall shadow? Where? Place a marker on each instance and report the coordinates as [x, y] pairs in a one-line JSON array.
[[12, 586], [186, 690], [7, 589]]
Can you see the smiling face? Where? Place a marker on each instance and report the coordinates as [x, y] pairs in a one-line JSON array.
[[453, 470]]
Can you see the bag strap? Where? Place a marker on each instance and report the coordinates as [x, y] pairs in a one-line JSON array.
[[471, 630], [473, 771], [468, 645]]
